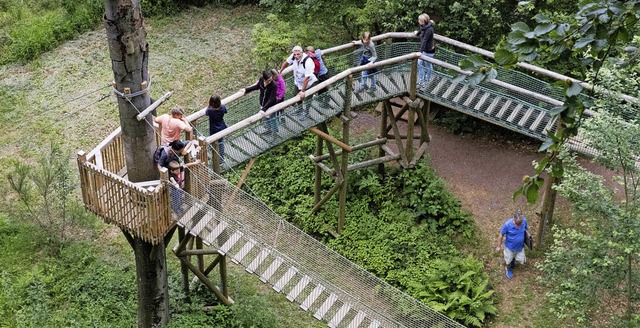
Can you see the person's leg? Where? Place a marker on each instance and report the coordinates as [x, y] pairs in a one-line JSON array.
[[421, 66], [429, 68], [363, 81], [508, 258], [520, 257], [372, 77], [221, 150]]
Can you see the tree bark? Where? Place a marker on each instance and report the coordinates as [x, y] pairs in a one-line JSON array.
[[128, 50]]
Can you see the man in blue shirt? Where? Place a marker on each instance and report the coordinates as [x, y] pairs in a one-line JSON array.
[[513, 232]]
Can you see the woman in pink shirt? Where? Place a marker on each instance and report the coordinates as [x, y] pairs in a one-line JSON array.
[[281, 89]]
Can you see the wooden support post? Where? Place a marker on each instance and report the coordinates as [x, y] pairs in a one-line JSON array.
[[206, 281], [215, 157], [342, 200], [199, 256], [325, 136], [317, 182], [423, 121], [334, 158], [410, 122], [223, 275], [326, 197], [183, 268], [413, 79], [386, 106], [404, 162]]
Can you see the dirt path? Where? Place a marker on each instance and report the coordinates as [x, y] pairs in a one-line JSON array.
[[483, 172]]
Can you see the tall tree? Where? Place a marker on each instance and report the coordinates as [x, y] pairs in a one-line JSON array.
[[128, 50]]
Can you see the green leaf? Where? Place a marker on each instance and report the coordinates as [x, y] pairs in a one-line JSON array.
[[558, 48], [505, 57], [477, 60], [556, 110], [520, 26], [528, 57], [490, 75], [562, 29], [532, 193], [458, 77], [573, 90], [516, 37], [583, 42], [542, 18], [546, 145], [475, 78], [544, 29], [466, 65], [518, 192]]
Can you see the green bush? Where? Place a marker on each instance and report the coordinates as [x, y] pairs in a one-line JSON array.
[[400, 226]]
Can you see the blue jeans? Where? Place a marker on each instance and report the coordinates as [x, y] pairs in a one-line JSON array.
[[422, 64], [176, 201], [370, 73], [271, 123]]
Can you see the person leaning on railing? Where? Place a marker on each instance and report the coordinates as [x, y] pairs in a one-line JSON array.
[[427, 48], [268, 91], [172, 125], [215, 112]]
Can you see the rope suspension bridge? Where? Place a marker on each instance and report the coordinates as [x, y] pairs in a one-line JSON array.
[[224, 222]]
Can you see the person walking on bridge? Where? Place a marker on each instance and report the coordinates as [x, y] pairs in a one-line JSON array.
[[513, 232], [368, 57], [303, 77], [427, 48], [268, 91]]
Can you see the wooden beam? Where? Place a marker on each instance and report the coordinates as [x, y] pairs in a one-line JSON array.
[[205, 280], [396, 132], [245, 173], [326, 197], [374, 161], [153, 106], [418, 154], [330, 139], [368, 144]]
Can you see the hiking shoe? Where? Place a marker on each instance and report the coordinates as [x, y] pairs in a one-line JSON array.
[[509, 273]]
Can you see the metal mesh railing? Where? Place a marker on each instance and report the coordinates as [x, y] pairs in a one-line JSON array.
[[322, 281]]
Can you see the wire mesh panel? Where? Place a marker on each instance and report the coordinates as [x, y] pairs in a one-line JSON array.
[[322, 281]]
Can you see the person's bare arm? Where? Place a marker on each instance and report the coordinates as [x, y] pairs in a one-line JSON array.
[[499, 247]]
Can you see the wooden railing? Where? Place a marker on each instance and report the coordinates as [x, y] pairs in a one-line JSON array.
[[138, 208]]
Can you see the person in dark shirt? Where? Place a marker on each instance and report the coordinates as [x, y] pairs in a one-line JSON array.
[[215, 112], [268, 91]]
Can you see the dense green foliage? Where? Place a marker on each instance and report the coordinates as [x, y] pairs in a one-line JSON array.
[[595, 264], [402, 226]]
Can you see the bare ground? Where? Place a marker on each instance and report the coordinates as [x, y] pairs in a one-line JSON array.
[[483, 172]]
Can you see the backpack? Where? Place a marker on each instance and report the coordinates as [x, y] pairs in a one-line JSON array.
[[158, 153], [316, 63]]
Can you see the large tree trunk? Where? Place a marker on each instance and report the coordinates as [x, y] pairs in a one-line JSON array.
[[129, 55], [128, 50]]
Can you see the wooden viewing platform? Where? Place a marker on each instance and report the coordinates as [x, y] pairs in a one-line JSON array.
[[142, 209]]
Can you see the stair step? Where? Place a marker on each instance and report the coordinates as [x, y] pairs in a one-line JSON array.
[[481, 101], [461, 93], [550, 125], [541, 115], [493, 105], [471, 97], [355, 323], [300, 286], [230, 242], [312, 297], [337, 318], [504, 108], [450, 90], [284, 280], [258, 260], [266, 275], [514, 113], [326, 305], [243, 251], [189, 214], [439, 86], [203, 222], [526, 116], [374, 324], [216, 232]]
